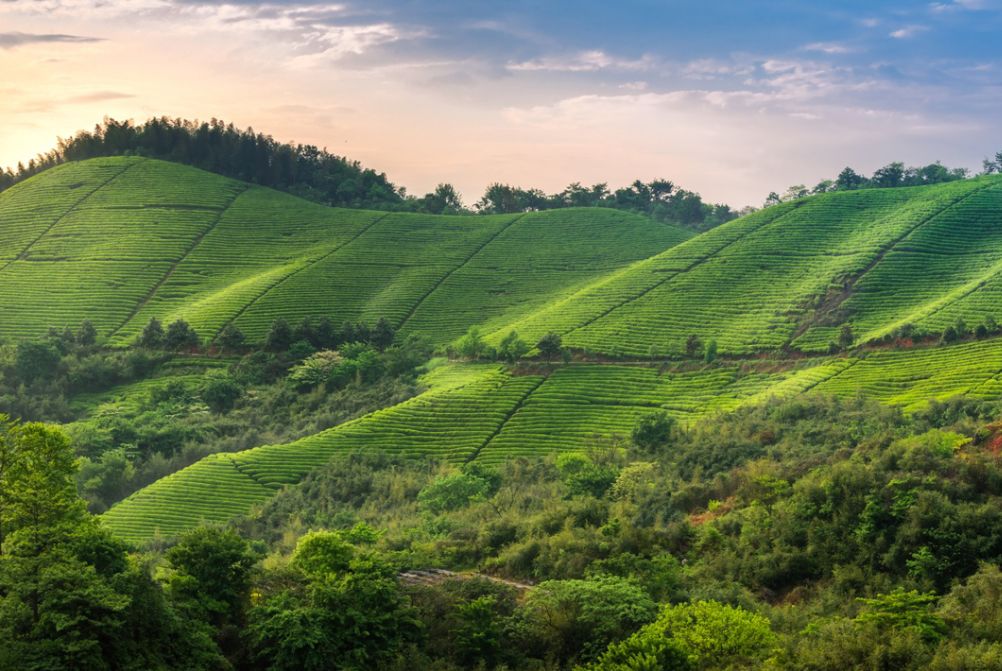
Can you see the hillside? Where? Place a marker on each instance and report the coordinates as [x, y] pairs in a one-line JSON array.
[[791, 275], [121, 240], [485, 413]]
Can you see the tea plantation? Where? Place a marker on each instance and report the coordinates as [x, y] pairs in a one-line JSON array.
[[121, 240]]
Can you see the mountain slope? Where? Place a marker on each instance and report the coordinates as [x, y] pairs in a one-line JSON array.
[[121, 240], [790, 275], [485, 413]]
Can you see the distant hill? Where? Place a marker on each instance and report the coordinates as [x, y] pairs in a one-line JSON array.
[[121, 240]]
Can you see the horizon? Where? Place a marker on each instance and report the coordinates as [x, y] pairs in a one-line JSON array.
[[732, 107]]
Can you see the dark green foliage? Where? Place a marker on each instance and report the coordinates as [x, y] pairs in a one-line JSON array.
[[653, 432], [231, 338], [659, 199], [153, 335], [279, 337], [512, 348], [693, 346], [221, 394], [36, 361], [211, 577], [846, 338], [180, 336], [304, 170], [550, 345], [86, 334]]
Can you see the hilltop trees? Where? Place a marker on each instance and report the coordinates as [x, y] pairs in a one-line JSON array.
[[659, 199], [305, 170], [892, 175]]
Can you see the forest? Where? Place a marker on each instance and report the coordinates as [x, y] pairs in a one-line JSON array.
[[815, 533]]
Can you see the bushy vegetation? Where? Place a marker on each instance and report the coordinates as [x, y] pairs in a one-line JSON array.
[[803, 534]]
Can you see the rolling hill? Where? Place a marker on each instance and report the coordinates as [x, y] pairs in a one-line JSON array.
[[120, 240]]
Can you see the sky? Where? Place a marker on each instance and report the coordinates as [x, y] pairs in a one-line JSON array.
[[730, 99]]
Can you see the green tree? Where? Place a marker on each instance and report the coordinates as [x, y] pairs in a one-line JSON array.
[[512, 348], [574, 620], [471, 345], [211, 578], [704, 635], [279, 336], [550, 345], [152, 336], [653, 432], [453, 491], [710, 353], [902, 609], [86, 334], [846, 338], [382, 334], [36, 361], [693, 346], [231, 338], [221, 394], [180, 336]]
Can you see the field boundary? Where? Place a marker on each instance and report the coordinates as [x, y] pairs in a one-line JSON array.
[[507, 418], [48, 229], [306, 266], [461, 265], [196, 241], [827, 307], [695, 264]]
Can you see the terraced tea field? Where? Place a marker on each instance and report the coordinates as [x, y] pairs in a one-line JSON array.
[[486, 413], [120, 240]]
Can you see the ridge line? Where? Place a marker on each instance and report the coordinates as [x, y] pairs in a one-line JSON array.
[[507, 418], [196, 241], [462, 264], [882, 253], [309, 264], [24, 252], [696, 263]]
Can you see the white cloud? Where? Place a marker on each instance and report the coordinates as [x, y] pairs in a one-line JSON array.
[[584, 61], [907, 31], [828, 47]]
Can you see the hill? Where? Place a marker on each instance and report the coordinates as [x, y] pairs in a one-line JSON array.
[[486, 413], [789, 276], [121, 240]]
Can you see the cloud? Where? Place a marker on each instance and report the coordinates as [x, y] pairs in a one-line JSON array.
[[15, 39], [828, 48], [960, 5], [99, 96], [907, 31], [585, 61]]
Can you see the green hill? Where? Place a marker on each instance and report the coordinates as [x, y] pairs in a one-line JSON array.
[[120, 240], [791, 275]]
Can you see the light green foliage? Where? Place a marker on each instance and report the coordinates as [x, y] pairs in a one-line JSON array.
[[316, 369], [127, 239], [322, 553], [581, 617], [902, 609], [703, 635], [453, 491]]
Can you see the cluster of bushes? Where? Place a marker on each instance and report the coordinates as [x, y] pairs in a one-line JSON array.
[[472, 347], [810, 534]]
